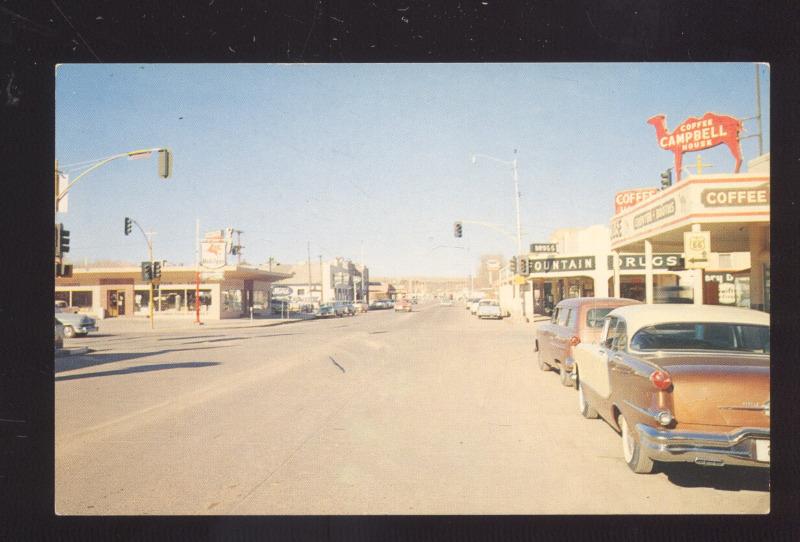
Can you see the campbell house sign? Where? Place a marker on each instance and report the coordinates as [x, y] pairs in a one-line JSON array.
[[696, 134]]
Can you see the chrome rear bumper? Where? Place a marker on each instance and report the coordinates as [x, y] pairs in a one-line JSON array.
[[734, 448]]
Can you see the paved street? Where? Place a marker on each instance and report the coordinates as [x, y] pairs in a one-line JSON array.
[[431, 412]]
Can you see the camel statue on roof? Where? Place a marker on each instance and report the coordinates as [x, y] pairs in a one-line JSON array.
[[696, 134]]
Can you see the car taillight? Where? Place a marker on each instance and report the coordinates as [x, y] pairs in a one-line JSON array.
[[574, 341], [661, 379]]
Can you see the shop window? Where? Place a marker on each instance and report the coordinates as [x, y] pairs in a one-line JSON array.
[[141, 300], [301, 291], [232, 300], [205, 300], [170, 300], [81, 299], [62, 296]]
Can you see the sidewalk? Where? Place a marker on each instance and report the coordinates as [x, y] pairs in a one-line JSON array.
[[174, 323]]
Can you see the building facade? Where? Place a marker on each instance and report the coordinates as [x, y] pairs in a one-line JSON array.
[[323, 281], [229, 292]]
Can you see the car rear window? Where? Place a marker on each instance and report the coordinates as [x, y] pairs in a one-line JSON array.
[[703, 336], [594, 317]]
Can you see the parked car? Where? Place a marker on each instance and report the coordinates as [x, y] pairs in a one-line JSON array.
[[344, 308], [470, 301], [574, 320], [61, 304], [381, 304], [681, 383], [361, 307], [326, 310], [59, 335], [489, 308], [473, 307], [75, 324], [402, 305]]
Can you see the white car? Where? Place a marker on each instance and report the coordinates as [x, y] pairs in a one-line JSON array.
[[489, 308], [473, 307]]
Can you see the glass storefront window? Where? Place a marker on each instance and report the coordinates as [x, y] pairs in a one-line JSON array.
[[205, 299], [81, 299], [232, 300]]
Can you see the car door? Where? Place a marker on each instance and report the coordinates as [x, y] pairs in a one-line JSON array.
[[558, 342], [545, 336], [594, 370]]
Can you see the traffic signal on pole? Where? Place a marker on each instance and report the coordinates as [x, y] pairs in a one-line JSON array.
[[147, 271], [458, 229], [128, 225], [513, 264], [666, 179], [63, 270], [523, 266], [62, 239], [164, 163], [156, 270]]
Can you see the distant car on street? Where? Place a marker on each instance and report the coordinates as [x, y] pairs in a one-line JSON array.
[[64, 307], [446, 302], [361, 307], [489, 308], [326, 310], [381, 304], [402, 305], [344, 308], [75, 324], [473, 306]]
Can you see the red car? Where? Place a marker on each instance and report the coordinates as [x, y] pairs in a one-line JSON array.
[[575, 320]]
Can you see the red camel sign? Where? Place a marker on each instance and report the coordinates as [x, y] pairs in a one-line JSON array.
[[695, 134]]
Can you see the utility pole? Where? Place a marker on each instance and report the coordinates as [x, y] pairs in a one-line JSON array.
[[309, 268], [758, 111], [321, 288], [197, 271]]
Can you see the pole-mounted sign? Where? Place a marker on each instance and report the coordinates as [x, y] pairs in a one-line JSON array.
[[696, 248], [547, 248]]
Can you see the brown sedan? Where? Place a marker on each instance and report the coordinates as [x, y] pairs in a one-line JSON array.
[[681, 383], [574, 321]]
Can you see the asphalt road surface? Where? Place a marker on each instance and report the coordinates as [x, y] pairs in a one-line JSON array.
[[429, 412]]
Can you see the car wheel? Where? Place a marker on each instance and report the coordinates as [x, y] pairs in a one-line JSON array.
[[564, 377], [542, 363], [583, 405], [632, 450], [69, 332]]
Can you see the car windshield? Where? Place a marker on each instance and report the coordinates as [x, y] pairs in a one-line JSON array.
[[594, 317], [703, 336]]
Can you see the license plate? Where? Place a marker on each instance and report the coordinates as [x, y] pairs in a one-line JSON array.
[[762, 450]]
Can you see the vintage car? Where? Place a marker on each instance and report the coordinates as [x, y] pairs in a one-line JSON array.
[[326, 310], [574, 320], [681, 383], [75, 324], [402, 305], [489, 308]]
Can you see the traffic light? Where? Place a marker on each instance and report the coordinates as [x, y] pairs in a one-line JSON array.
[[523, 266], [62, 239], [164, 163], [128, 225], [147, 271], [666, 179], [513, 264], [457, 229], [156, 270], [63, 270]]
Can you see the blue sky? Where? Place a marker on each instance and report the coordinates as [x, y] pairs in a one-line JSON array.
[[373, 156]]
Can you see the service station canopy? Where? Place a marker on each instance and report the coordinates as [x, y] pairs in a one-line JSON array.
[[722, 204]]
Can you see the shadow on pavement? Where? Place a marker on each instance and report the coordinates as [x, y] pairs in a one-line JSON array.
[[70, 363], [730, 478], [142, 369], [181, 338]]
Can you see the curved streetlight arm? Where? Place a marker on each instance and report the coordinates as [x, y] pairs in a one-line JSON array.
[[102, 163], [504, 162]]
